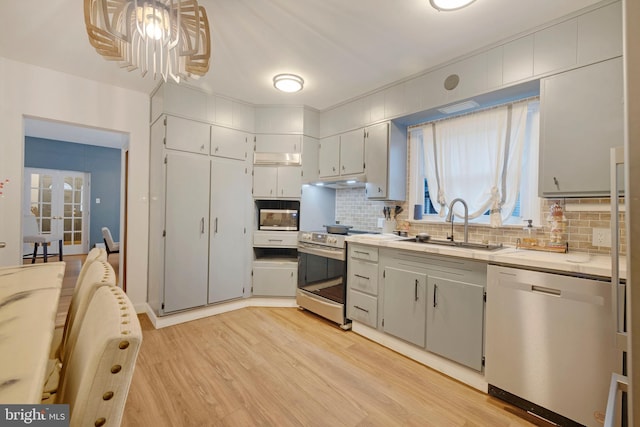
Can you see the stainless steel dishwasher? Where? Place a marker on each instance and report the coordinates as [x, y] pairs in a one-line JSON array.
[[550, 343]]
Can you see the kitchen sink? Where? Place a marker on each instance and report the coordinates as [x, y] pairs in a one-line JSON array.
[[455, 244]]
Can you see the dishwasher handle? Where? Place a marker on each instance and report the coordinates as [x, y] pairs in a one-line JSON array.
[[544, 290]]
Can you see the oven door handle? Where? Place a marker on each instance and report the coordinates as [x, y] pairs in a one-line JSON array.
[[326, 253]]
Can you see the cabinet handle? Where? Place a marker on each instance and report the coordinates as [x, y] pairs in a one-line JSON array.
[[362, 277], [292, 274], [362, 252], [416, 290], [555, 181], [202, 147], [215, 226], [275, 240], [343, 168], [543, 290], [362, 309], [202, 225], [215, 150], [435, 295]]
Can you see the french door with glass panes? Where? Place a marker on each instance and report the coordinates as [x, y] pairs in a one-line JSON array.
[[59, 200]]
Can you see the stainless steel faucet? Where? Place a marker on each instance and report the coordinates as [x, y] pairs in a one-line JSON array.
[[451, 215]]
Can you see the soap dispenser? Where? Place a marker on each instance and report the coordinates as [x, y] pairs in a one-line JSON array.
[[529, 241]]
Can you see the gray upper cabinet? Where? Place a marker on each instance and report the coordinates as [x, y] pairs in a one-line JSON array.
[[187, 135], [386, 161], [600, 34], [517, 60], [581, 119], [342, 155], [274, 143], [554, 48], [229, 143]]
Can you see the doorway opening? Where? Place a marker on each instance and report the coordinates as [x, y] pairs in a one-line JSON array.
[[99, 156]]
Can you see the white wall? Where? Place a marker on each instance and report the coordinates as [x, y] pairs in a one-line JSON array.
[[26, 90]]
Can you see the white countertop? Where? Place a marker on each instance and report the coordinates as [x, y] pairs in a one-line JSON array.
[[573, 262]]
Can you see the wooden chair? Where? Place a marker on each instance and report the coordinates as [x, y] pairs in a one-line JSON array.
[[33, 234], [95, 380], [111, 246]]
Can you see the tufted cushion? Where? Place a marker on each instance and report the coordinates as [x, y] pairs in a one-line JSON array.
[[95, 379]]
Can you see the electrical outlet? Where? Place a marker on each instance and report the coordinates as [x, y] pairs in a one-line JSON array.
[[601, 237], [380, 222]]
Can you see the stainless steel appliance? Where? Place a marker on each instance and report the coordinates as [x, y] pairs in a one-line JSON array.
[[549, 345], [278, 215], [278, 219], [322, 275]]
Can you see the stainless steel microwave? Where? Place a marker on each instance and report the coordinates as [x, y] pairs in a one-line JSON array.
[[278, 219]]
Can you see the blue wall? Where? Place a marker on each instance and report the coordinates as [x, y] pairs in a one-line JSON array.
[[102, 163]]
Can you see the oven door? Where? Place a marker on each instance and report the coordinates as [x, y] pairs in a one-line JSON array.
[[322, 282]]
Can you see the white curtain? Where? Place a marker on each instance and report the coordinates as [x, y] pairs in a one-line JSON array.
[[457, 153]]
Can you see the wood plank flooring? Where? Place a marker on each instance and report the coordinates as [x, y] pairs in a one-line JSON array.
[[286, 367]]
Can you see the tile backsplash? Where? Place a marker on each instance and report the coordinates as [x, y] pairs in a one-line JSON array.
[[582, 216]]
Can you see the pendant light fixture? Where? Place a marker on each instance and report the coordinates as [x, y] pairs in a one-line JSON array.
[[170, 38], [448, 5], [288, 83]]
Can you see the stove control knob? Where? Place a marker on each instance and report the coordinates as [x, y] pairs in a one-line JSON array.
[[331, 240], [306, 236]]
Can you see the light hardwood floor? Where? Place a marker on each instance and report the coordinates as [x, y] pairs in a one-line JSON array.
[[286, 367]]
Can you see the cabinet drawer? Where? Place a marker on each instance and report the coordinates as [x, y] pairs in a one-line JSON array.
[[363, 276], [271, 239], [363, 252], [362, 308]]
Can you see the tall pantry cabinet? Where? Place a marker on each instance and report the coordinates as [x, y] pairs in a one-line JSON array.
[[200, 194]]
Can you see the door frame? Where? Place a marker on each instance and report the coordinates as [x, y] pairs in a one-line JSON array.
[[86, 197]]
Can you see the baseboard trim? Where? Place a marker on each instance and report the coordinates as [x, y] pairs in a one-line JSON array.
[[451, 369], [212, 310]]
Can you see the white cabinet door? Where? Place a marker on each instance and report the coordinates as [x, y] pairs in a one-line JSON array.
[[277, 181], [278, 143], [377, 156], [228, 246], [229, 143], [289, 182], [600, 34], [309, 160], [187, 135], [581, 118], [455, 319], [352, 152], [187, 231], [404, 313], [265, 181], [329, 157], [517, 60], [275, 279], [555, 47]]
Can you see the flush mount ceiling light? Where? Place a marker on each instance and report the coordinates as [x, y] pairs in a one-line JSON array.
[[448, 5], [170, 38], [288, 83]]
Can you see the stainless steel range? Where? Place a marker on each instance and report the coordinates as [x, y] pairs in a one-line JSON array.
[[322, 275]]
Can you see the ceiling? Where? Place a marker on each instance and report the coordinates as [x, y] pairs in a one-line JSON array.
[[342, 49]]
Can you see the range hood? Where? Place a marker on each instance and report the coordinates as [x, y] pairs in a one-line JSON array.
[[348, 181], [286, 159]]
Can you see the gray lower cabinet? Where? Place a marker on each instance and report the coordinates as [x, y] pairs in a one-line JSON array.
[[405, 308], [435, 302], [362, 285], [455, 313]]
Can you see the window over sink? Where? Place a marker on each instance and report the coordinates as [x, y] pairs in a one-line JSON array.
[[489, 158]]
